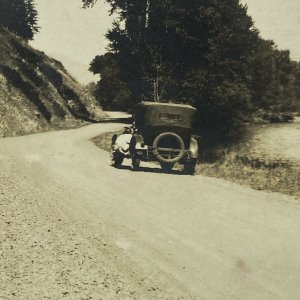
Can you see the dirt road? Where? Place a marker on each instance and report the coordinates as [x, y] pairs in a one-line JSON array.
[[278, 141], [72, 227]]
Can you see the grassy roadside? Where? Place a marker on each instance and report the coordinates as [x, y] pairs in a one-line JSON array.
[[237, 166], [259, 173], [103, 141]]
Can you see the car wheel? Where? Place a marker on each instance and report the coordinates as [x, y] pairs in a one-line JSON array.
[[135, 163], [189, 167], [175, 154], [116, 159], [166, 167]]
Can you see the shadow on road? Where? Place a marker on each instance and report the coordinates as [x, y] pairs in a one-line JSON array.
[[151, 170], [116, 120]]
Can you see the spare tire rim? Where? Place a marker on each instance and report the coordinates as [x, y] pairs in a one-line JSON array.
[[166, 154]]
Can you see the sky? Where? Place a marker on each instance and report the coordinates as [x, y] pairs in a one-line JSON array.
[[278, 20], [72, 34], [75, 36]]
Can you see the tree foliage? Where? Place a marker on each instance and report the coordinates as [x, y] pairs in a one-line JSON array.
[[203, 52], [20, 17], [273, 79], [111, 89]]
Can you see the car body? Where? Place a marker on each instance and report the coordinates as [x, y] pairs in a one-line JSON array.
[[163, 133]]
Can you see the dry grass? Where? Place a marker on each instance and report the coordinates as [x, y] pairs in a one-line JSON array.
[[259, 173], [103, 141]]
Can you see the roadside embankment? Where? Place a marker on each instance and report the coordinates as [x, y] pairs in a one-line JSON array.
[[268, 159]]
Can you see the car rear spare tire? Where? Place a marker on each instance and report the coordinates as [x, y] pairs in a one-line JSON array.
[[168, 147]]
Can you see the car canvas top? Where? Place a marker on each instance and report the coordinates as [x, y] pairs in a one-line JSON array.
[[148, 103]]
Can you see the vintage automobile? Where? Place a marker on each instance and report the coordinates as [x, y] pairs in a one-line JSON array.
[[163, 133]]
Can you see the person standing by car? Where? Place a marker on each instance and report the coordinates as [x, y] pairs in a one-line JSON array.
[[120, 146], [123, 140]]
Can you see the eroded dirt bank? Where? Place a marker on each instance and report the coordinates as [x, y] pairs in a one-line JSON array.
[[73, 227]]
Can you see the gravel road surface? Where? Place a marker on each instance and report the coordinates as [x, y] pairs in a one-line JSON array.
[[73, 227], [278, 141]]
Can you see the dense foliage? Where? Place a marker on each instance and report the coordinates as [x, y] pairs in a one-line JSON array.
[[203, 52], [20, 17]]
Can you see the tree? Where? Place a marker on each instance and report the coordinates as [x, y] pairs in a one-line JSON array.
[[203, 52], [111, 89], [20, 17], [188, 51], [272, 78], [297, 84]]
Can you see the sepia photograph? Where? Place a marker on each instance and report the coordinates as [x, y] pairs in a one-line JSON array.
[[150, 149]]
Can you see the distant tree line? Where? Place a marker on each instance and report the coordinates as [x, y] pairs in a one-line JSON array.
[[203, 52], [20, 17]]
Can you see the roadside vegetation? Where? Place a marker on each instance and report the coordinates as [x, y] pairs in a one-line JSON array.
[[103, 141], [259, 173]]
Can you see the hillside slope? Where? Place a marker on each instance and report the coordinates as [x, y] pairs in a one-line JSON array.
[[36, 92]]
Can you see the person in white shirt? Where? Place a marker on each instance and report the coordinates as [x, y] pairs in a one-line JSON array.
[[123, 141]]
